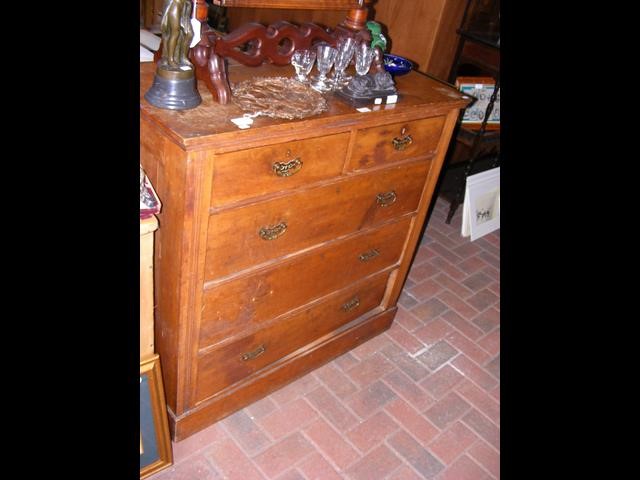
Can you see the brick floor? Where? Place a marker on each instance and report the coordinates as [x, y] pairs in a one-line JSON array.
[[422, 400]]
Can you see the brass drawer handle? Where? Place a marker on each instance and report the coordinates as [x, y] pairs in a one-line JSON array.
[[351, 304], [271, 233], [402, 142], [256, 353], [286, 169], [386, 199], [366, 256]]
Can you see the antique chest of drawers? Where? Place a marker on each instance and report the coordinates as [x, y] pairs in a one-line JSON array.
[[286, 244]]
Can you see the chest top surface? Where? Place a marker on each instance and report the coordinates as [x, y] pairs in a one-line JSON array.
[[209, 125]]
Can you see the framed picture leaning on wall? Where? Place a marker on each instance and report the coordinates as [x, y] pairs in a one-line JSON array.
[[480, 88], [155, 442]]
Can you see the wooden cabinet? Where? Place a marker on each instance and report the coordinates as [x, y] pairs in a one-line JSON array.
[[423, 31], [155, 443], [147, 227], [284, 245], [151, 14]]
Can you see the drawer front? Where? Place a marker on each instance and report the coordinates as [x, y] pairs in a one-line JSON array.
[[247, 236], [245, 302], [237, 360], [258, 171], [379, 146]]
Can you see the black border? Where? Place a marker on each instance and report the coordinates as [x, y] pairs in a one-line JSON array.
[[71, 167]]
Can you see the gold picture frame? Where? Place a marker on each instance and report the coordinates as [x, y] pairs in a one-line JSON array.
[[480, 89], [155, 440]]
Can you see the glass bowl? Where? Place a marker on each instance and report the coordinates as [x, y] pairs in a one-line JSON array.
[[396, 65]]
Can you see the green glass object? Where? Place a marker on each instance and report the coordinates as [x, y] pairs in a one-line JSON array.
[[377, 38]]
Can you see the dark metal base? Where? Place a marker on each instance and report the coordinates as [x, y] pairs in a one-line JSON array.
[[173, 94]]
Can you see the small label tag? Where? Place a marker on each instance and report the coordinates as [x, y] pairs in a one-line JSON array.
[[363, 109], [242, 122], [196, 32], [378, 101], [392, 98]]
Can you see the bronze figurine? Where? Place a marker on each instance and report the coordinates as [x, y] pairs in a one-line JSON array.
[[177, 34], [174, 85]]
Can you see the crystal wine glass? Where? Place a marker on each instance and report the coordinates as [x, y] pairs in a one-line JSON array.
[[325, 57], [302, 61], [364, 57], [346, 47]]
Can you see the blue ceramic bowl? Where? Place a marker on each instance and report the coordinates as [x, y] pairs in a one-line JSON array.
[[396, 65]]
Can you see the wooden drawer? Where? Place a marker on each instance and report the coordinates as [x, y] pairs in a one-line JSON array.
[[237, 360], [377, 146], [251, 173], [236, 237], [245, 302]]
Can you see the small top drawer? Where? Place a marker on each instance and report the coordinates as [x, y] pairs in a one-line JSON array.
[[258, 171], [378, 146]]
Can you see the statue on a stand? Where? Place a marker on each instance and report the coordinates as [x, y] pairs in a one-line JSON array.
[[174, 85]]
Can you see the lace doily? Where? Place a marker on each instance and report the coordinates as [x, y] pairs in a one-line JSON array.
[[278, 97]]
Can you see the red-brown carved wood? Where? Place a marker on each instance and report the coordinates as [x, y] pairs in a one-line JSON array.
[[275, 43], [296, 4]]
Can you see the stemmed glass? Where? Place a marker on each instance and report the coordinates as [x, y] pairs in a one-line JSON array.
[[364, 56], [302, 61], [325, 57], [346, 47]]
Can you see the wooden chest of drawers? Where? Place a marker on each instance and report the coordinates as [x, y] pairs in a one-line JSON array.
[[284, 245]]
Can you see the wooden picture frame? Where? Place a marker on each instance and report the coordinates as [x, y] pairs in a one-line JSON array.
[[155, 441], [481, 89]]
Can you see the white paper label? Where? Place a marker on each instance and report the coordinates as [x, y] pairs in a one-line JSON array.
[[363, 109], [378, 101], [392, 98], [196, 32], [242, 122]]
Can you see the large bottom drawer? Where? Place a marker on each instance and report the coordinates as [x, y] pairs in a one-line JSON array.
[[279, 374], [235, 361]]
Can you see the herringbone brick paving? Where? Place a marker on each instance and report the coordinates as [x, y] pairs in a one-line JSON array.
[[421, 400]]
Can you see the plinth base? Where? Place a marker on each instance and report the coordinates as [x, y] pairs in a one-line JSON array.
[[173, 91]]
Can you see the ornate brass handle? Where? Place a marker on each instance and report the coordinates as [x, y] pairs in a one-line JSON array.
[[256, 353], [271, 233], [366, 256], [351, 304], [286, 169], [402, 142], [386, 199]]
